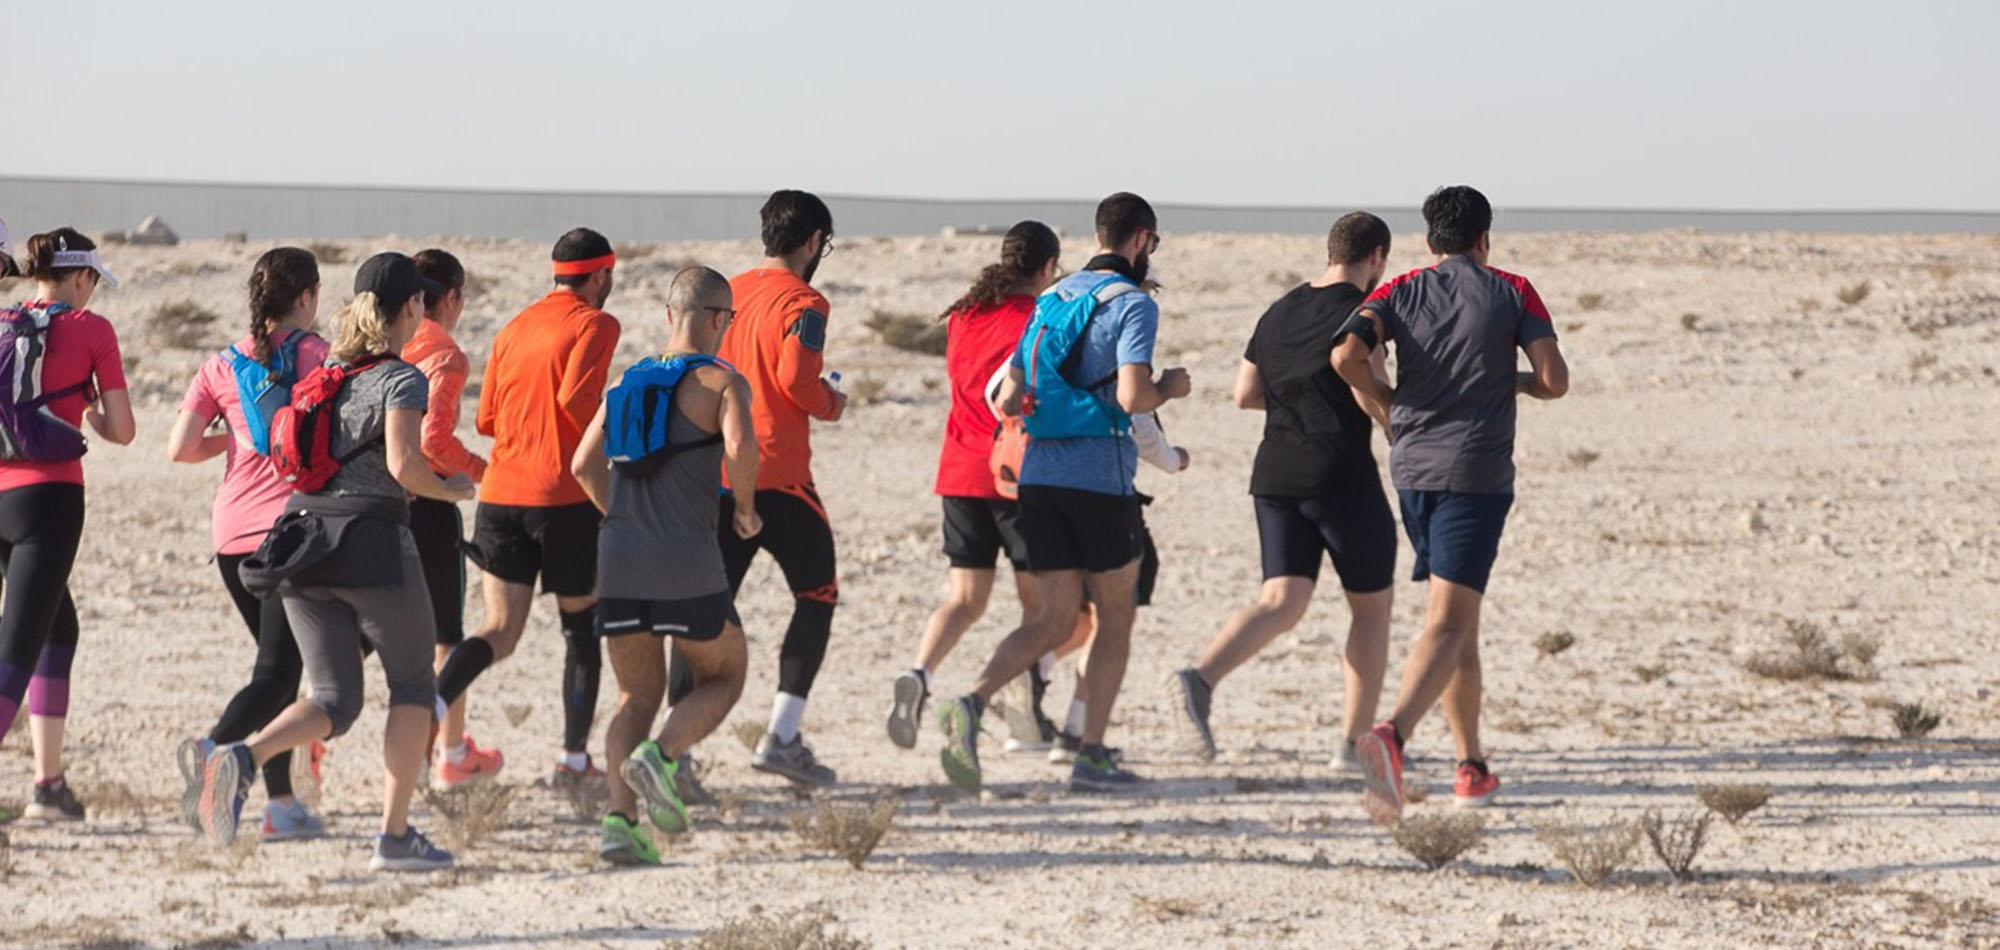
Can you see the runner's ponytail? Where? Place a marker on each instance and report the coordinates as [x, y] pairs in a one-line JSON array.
[[1028, 247], [364, 329]]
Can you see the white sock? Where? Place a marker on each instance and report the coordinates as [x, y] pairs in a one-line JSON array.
[[923, 676], [1046, 666], [1073, 723], [786, 710], [577, 761], [456, 754]]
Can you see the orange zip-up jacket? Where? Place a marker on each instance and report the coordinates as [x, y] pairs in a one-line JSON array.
[[444, 365], [543, 384], [776, 343]]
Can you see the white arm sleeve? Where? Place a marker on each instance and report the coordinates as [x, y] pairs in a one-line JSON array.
[[1153, 445]]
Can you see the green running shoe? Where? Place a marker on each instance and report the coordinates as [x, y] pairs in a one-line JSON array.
[[625, 843], [651, 774], [959, 721]]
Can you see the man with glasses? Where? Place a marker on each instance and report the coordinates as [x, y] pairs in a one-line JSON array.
[[1079, 511], [777, 343]]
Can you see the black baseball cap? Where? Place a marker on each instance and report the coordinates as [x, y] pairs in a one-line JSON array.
[[393, 278]]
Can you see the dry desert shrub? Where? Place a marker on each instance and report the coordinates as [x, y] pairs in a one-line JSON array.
[[115, 798], [851, 831], [791, 932], [1808, 304], [1913, 721], [1164, 909], [1922, 361], [1588, 302], [327, 252], [471, 812], [181, 325], [517, 713], [867, 391], [1690, 322], [1582, 458], [1677, 841], [1591, 853], [632, 251], [1943, 272], [748, 733], [1807, 654], [1648, 673], [1554, 642], [1853, 293], [911, 332], [1733, 801], [1436, 839], [6, 855]]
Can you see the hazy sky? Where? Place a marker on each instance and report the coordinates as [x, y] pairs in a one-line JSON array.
[[1696, 104]]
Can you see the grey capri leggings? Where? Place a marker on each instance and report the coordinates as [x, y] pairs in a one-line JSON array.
[[329, 623]]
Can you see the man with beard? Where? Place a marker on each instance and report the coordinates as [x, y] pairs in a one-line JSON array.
[[1082, 370], [777, 343]]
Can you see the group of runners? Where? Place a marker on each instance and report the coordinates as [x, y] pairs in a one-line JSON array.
[[640, 504]]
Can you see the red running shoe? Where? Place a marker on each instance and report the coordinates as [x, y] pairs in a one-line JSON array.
[[478, 764], [1474, 786], [1382, 771]]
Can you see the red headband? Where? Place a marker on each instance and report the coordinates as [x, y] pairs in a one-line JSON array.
[[588, 266]]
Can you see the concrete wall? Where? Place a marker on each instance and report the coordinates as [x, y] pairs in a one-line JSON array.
[[200, 210]]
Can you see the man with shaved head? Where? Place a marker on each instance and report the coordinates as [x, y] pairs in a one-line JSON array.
[[655, 476]]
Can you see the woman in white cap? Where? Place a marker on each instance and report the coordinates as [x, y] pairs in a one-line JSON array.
[[58, 356]]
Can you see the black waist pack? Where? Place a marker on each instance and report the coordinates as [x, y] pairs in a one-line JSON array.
[[325, 549]]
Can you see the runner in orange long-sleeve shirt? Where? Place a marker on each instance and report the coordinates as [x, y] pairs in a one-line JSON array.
[[777, 343], [543, 383]]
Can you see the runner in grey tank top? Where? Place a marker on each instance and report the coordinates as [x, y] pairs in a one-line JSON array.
[[660, 571], [658, 537]]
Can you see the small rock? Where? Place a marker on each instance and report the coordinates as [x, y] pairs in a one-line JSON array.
[[1505, 919], [1754, 523]]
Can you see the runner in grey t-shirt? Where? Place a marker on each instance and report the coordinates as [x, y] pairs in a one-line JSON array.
[[660, 571], [1450, 420]]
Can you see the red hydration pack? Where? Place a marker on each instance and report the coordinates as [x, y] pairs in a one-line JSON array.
[[302, 431]]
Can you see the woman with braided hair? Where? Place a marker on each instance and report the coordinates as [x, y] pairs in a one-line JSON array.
[[983, 327], [281, 347]]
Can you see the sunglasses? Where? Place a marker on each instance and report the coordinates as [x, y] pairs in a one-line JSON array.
[[1153, 245]]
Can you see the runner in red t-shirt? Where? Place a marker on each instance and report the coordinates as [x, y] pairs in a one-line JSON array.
[[41, 501], [984, 327]]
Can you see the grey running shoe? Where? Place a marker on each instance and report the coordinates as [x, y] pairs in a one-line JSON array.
[[55, 801], [959, 721], [1063, 750], [1191, 694], [793, 760], [291, 822], [410, 852], [1025, 723], [687, 781], [190, 756], [906, 709], [1347, 761], [225, 782], [1099, 773]]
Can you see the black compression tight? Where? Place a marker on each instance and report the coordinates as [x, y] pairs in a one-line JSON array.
[[274, 679], [40, 526]]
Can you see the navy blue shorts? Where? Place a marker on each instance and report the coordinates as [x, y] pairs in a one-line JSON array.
[[1356, 531], [1456, 536]]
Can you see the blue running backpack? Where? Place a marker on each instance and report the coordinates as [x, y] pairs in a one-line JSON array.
[[637, 410], [29, 429], [263, 390], [1055, 406]]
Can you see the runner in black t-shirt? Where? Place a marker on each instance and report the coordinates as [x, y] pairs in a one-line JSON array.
[[1314, 485]]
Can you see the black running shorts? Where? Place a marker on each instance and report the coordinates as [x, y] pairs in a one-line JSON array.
[[517, 543], [976, 530], [1357, 531], [1068, 529], [695, 618]]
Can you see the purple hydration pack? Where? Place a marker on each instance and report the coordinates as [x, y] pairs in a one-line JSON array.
[[29, 430]]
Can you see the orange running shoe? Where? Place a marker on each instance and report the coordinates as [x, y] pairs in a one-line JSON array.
[[1474, 786], [1382, 771], [478, 764]]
